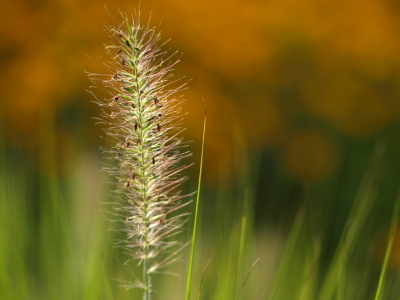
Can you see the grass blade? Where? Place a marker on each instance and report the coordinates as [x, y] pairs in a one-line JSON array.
[[202, 277], [190, 270], [247, 277], [242, 239], [362, 206], [393, 228], [289, 249]]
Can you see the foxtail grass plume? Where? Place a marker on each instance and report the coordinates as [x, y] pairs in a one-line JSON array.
[[142, 118]]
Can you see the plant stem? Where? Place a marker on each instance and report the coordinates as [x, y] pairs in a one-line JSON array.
[[393, 228], [146, 260], [241, 245], [189, 279]]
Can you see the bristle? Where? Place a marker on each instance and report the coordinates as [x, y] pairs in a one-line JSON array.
[[148, 192]]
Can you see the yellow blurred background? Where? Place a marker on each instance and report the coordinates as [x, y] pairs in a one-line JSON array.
[[260, 66]]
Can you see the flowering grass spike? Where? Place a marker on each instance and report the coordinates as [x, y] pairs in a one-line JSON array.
[[143, 118]]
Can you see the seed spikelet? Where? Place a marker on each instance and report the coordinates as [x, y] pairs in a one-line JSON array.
[[142, 116]]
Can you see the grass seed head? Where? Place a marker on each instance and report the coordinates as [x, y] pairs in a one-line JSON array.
[[143, 121]]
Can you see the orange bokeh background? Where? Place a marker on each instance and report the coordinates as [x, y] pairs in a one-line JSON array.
[[259, 65]]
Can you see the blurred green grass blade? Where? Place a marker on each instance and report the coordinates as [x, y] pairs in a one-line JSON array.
[[308, 288], [190, 270], [247, 277], [362, 206], [288, 252], [202, 278], [14, 226], [241, 245], [393, 228]]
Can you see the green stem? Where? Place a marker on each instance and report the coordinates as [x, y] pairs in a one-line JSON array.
[[146, 260], [189, 279], [147, 278], [241, 245], [284, 266], [393, 228]]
